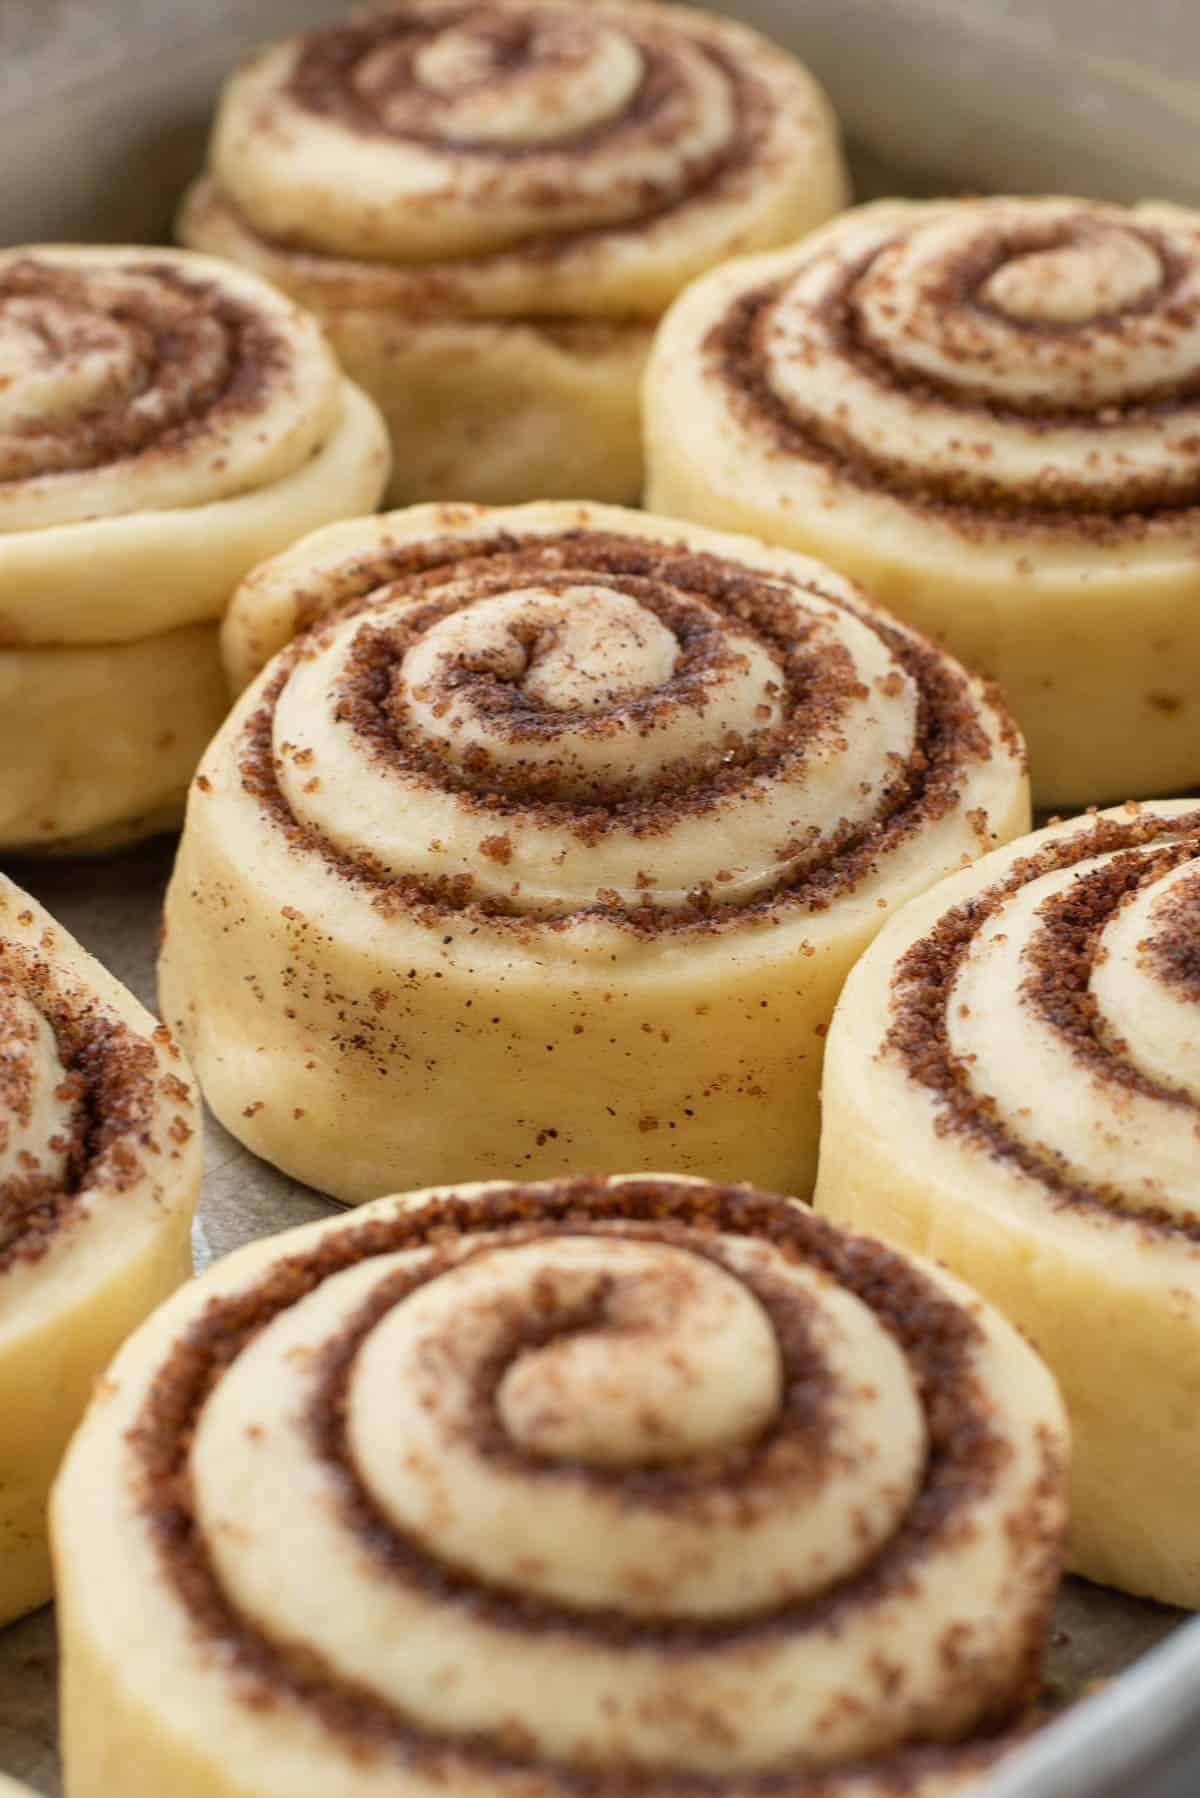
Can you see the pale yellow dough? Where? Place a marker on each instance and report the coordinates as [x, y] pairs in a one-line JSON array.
[[582, 1398], [11, 1788], [1076, 1210], [490, 245], [986, 412], [570, 864], [99, 1176], [166, 422], [99, 741]]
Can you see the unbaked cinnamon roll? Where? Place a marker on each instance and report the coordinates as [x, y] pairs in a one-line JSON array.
[[549, 844], [642, 1487], [99, 1174], [988, 412], [490, 205], [165, 423], [1013, 1087]]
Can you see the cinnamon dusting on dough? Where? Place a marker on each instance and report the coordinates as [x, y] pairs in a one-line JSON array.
[[710, 605], [937, 1337], [1059, 955]]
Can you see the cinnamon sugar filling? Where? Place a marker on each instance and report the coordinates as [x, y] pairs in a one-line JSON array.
[[108, 1077], [196, 328], [965, 497], [1060, 956], [924, 788], [937, 1337]]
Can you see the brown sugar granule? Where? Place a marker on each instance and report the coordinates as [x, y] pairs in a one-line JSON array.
[[497, 849]]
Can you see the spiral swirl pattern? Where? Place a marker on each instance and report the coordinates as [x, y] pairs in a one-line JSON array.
[[1040, 1058], [1018, 357], [490, 205], [80, 1091], [1072, 335], [99, 1170], [518, 92], [140, 388], [40, 1105], [1005, 391], [120, 379], [564, 709], [165, 423], [582, 748], [440, 130], [546, 728], [601, 1486]]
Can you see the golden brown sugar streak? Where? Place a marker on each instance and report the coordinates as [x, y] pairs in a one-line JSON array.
[[165, 423], [1012, 1086], [989, 413], [554, 845], [659, 1591], [99, 1174], [490, 206]]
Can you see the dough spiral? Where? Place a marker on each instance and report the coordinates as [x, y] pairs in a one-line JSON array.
[[557, 830], [165, 423], [99, 1174], [988, 412], [489, 205], [640, 1486], [1013, 1086]]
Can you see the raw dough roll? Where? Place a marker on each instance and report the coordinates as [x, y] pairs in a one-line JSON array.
[[1013, 1086], [643, 1487], [987, 411], [99, 1174], [490, 206], [165, 423], [553, 846]]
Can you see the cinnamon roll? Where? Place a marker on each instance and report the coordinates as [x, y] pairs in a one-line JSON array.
[[642, 1487], [490, 205], [99, 1174], [11, 1788], [165, 423], [1013, 1086], [551, 843], [988, 411]]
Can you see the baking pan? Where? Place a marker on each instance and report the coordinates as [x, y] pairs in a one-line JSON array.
[[103, 112]]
